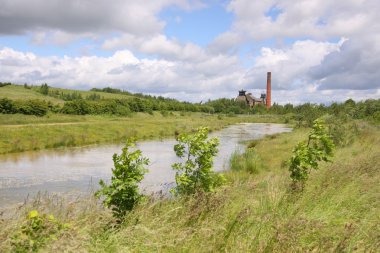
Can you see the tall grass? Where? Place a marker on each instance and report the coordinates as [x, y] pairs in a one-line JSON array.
[[338, 210], [247, 161]]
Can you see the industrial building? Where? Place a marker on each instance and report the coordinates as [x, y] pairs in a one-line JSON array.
[[264, 99]]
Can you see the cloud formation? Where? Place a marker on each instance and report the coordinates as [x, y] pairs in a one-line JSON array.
[[83, 16], [350, 64], [324, 50]]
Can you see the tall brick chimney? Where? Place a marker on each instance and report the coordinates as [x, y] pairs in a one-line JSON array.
[[269, 80]]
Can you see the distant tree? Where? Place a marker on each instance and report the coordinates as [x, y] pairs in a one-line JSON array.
[[44, 89]]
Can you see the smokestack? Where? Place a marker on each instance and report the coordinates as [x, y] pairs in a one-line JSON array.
[[269, 80]]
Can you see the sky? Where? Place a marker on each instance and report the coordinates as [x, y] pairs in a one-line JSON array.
[[318, 51]]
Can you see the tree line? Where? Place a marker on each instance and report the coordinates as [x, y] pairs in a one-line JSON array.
[[93, 103]]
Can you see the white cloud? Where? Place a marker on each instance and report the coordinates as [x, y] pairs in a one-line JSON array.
[[308, 69], [217, 77], [315, 62], [61, 22], [121, 70], [315, 18], [290, 65]]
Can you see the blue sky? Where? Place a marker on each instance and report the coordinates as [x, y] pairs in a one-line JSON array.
[[194, 50]]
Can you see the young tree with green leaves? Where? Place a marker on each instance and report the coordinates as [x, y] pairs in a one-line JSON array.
[[196, 172], [123, 192], [307, 155]]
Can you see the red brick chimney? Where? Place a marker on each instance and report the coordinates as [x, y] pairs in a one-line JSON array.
[[269, 80]]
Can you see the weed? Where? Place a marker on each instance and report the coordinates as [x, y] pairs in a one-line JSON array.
[[36, 232]]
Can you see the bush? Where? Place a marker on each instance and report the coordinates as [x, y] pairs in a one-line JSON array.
[[196, 172], [78, 107], [32, 107], [306, 155], [29, 107], [7, 106], [123, 192]]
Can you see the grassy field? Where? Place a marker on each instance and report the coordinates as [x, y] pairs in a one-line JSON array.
[[22, 132], [19, 92], [87, 93], [338, 211]]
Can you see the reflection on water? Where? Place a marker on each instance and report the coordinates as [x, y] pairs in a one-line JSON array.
[[74, 169]]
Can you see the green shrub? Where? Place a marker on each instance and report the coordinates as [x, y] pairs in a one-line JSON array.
[[306, 155], [78, 107], [123, 192], [196, 172], [32, 107], [29, 107], [36, 231], [6, 106]]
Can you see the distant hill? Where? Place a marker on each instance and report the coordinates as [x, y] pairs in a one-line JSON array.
[[55, 95]]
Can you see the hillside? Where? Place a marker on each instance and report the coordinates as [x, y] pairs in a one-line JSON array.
[[20, 92]]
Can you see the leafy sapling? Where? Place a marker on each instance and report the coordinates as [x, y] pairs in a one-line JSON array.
[[307, 155], [196, 172], [123, 192]]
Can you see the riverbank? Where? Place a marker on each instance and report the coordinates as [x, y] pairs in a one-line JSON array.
[[20, 133], [255, 212]]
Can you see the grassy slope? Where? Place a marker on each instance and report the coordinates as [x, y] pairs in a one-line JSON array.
[[87, 93], [338, 210], [19, 92]]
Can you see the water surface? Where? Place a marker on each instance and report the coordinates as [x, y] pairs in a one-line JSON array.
[[77, 170]]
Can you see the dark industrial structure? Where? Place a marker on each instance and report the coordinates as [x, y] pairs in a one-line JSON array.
[[265, 99]]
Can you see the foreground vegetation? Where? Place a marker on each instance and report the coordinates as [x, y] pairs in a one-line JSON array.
[[255, 211]]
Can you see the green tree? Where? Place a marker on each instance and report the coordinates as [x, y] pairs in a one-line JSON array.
[[123, 192], [44, 89], [306, 155], [196, 172]]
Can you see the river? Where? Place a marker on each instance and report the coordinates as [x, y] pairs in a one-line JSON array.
[[78, 170]]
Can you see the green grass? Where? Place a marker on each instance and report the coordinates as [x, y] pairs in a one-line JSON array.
[[338, 211], [87, 93], [23, 133], [19, 92]]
